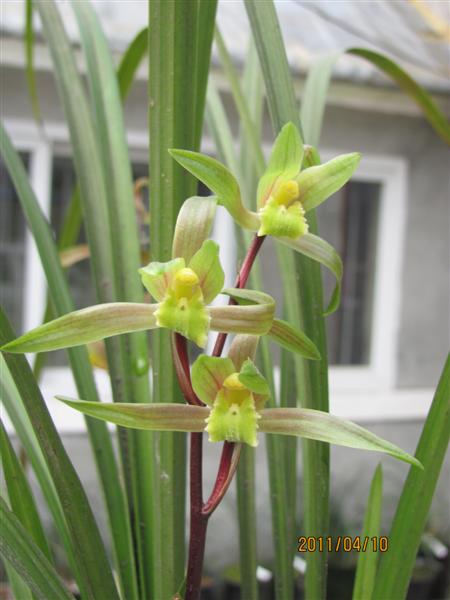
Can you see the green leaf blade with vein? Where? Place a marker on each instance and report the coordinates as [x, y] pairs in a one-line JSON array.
[[367, 560], [130, 62], [318, 80], [422, 98], [18, 548], [22, 426], [179, 56], [323, 427], [20, 495], [94, 573], [396, 566], [79, 360]]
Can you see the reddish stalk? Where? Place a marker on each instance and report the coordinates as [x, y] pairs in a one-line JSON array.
[[200, 512]]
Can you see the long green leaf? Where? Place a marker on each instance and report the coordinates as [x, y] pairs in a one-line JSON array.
[[18, 548], [29, 62], [431, 112], [318, 80], [246, 501], [241, 105], [397, 564], [23, 506], [22, 426], [89, 139], [94, 572], [130, 62], [303, 310], [179, 56], [20, 495], [368, 558], [82, 370]]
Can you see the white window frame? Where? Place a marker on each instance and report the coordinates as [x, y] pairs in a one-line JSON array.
[[365, 392], [380, 373]]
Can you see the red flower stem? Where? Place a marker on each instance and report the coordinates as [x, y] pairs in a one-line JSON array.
[[181, 362], [200, 512], [241, 281], [228, 464], [199, 521]]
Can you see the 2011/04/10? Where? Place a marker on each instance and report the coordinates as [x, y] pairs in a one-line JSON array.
[[344, 543]]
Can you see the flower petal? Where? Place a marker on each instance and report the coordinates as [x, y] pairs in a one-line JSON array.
[[85, 326], [318, 183], [285, 161], [243, 347], [206, 264], [208, 374], [293, 339], [193, 226], [157, 276], [245, 297], [318, 249], [219, 179], [154, 417], [252, 379], [321, 426]]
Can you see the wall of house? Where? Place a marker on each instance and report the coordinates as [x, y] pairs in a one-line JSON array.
[[423, 326]]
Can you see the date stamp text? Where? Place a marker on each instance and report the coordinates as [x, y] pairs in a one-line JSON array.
[[343, 543]]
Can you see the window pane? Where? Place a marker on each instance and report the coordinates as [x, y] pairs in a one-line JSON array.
[[349, 222], [12, 247]]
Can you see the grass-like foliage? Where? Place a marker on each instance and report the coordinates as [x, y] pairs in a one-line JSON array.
[[159, 394]]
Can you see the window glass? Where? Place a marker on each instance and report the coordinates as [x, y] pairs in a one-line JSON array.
[[348, 221], [12, 248]]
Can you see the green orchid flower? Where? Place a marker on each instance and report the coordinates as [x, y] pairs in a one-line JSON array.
[[235, 393], [285, 194], [183, 289]]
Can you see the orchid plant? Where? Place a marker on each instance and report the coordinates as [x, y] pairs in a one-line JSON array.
[[227, 395]]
